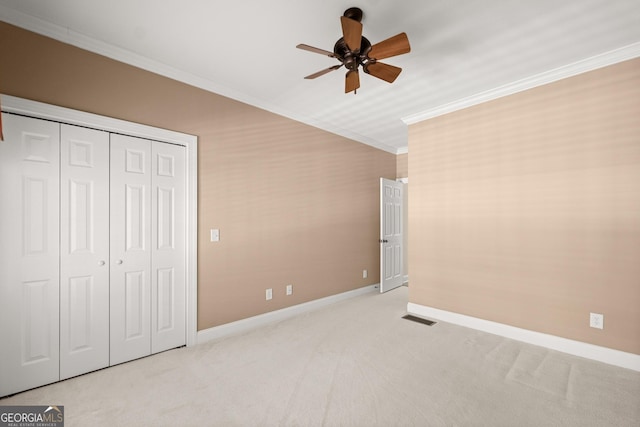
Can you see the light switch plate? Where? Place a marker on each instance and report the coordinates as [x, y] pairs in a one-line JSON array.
[[215, 235]]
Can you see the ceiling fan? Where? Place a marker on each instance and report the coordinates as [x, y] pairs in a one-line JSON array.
[[354, 50]]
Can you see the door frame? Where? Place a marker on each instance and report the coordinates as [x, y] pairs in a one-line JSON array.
[[405, 228], [383, 246], [12, 104]]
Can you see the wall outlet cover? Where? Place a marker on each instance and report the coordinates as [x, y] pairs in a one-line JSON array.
[[596, 320]]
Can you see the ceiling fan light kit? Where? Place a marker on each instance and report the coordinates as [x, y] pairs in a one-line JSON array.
[[353, 50]]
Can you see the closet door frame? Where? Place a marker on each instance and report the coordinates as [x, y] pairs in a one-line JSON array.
[[40, 110]]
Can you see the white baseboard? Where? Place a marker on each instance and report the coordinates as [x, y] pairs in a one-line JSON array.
[[576, 348], [278, 315]]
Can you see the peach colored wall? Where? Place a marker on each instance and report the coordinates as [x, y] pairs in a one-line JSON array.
[[294, 204], [526, 210]]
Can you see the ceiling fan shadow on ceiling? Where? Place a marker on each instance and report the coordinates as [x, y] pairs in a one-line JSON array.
[[354, 50]]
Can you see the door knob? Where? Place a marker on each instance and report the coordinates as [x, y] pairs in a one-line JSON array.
[[101, 263], [119, 262]]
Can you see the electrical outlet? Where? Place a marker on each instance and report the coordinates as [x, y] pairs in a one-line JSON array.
[[289, 289], [596, 320], [269, 294], [364, 274]]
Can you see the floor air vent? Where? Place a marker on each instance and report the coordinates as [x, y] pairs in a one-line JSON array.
[[419, 320]]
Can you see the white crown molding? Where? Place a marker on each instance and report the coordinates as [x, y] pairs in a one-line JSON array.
[[82, 41], [576, 348], [599, 61], [254, 322]]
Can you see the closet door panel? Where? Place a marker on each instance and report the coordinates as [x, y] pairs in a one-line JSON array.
[[84, 250], [168, 310], [29, 253], [130, 248]]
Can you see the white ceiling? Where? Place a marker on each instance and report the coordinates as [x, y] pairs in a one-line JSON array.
[[245, 49]]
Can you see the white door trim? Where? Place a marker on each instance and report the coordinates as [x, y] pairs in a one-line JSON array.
[[405, 224], [391, 241], [190, 142]]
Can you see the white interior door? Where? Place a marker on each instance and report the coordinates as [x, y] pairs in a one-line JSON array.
[[29, 253], [391, 229], [168, 241], [130, 250], [84, 250]]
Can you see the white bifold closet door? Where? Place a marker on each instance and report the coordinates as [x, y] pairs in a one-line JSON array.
[[29, 253], [130, 248], [168, 247], [92, 250], [147, 247], [84, 250]]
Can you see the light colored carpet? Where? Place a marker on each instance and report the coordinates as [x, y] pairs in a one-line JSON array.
[[355, 363]]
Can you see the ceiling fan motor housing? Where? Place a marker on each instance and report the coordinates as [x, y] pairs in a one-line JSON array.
[[352, 60]]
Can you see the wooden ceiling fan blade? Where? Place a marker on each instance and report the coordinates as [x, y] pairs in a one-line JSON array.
[[316, 50], [352, 81], [352, 33], [393, 46], [382, 71], [323, 72]]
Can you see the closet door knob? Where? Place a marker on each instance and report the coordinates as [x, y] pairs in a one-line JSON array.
[[101, 263], [119, 262]]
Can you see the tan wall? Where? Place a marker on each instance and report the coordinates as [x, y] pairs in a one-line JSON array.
[[402, 171], [402, 166], [405, 234], [294, 204], [526, 210]]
